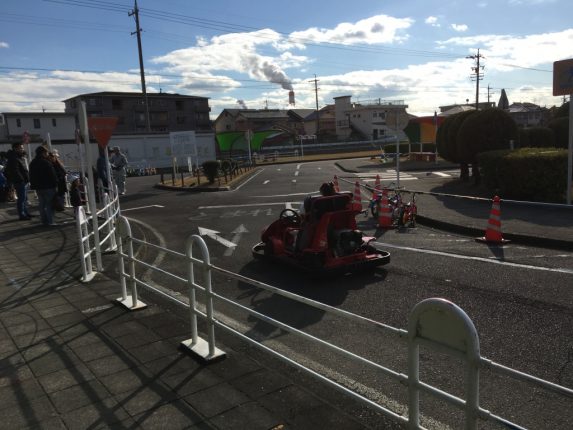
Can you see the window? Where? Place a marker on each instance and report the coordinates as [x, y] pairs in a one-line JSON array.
[[18, 122], [54, 123], [116, 104], [92, 102], [181, 120], [37, 123], [179, 104]]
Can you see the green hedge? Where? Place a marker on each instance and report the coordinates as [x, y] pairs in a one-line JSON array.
[[536, 174], [536, 137]]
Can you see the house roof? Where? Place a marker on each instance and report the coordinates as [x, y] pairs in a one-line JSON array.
[[523, 107], [457, 109], [134, 94]]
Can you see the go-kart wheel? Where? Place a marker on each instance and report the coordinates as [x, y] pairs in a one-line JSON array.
[[290, 217], [268, 250]]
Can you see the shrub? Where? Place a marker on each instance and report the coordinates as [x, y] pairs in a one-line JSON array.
[[487, 130], [536, 137], [391, 148], [211, 169], [560, 127], [537, 174]]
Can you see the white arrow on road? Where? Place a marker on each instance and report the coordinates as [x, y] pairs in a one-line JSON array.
[[214, 234], [236, 238]]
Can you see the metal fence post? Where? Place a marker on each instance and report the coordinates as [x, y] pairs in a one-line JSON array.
[[207, 351], [84, 244], [131, 302], [446, 326]]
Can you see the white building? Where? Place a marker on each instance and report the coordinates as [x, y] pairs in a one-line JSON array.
[[374, 119], [61, 126]]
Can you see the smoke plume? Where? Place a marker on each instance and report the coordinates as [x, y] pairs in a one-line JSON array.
[[242, 104]]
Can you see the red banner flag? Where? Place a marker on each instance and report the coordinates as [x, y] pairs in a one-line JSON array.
[[102, 128]]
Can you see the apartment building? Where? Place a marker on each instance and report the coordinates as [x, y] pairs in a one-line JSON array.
[[167, 112], [371, 119]]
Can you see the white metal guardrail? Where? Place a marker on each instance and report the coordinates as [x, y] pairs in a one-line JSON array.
[[434, 323], [93, 236]]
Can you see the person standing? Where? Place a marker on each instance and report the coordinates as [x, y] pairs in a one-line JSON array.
[[118, 163], [44, 180], [101, 168], [61, 173], [17, 174]]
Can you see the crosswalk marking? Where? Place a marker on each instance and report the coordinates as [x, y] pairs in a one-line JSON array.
[[442, 174]]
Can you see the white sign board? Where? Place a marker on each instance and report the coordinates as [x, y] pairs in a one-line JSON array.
[[185, 144]]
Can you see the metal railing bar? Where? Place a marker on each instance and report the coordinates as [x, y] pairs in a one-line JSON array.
[[526, 377], [157, 269], [167, 250], [317, 375], [389, 372], [313, 303]]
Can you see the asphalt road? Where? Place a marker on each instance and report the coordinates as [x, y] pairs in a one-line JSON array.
[[519, 298]]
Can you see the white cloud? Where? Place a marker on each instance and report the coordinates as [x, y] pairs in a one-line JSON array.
[[376, 29], [525, 51], [4, 45], [460, 27], [237, 52], [432, 20]]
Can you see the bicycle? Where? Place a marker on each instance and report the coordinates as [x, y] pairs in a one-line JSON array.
[[408, 212], [395, 202]]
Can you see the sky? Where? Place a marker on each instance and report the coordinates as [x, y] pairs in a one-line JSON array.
[[251, 53]]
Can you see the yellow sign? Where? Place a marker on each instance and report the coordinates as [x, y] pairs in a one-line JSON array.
[[563, 77]]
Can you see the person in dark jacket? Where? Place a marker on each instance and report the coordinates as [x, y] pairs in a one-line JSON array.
[[17, 174], [44, 180], [61, 174]]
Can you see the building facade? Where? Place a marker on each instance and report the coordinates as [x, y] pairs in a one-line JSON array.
[[60, 126], [167, 112], [371, 120]]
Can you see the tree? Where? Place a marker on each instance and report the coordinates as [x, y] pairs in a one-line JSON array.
[[487, 130], [453, 144]]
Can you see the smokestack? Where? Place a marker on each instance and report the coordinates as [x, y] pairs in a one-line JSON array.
[[291, 97]]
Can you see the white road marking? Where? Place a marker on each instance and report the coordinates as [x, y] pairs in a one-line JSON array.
[[242, 206], [266, 182], [214, 234], [298, 166], [236, 238], [248, 180], [142, 207], [482, 259], [442, 174], [296, 173], [294, 181]]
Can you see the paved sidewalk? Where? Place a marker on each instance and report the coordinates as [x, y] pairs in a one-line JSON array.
[[70, 358], [448, 207]]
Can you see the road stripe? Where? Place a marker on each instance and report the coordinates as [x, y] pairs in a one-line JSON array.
[[442, 174], [481, 259], [266, 182], [142, 207]]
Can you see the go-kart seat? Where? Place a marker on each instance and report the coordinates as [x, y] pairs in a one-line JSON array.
[[317, 207], [323, 204]]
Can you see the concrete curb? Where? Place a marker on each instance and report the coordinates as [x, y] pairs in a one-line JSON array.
[[541, 242]]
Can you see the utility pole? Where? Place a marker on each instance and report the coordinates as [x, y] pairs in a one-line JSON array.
[[135, 12], [489, 92], [478, 75], [316, 98]]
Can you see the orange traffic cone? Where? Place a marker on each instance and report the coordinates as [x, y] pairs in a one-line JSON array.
[[357, 198], [336, 187], [493, 231], [384, 211], [377, 186]]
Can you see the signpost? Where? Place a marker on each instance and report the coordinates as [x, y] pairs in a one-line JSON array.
[[563, 85], [102, 128]]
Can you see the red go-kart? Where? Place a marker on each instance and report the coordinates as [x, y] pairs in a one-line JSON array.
[[323, 240]]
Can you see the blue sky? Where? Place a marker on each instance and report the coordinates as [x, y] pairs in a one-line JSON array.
[[250, 53]]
